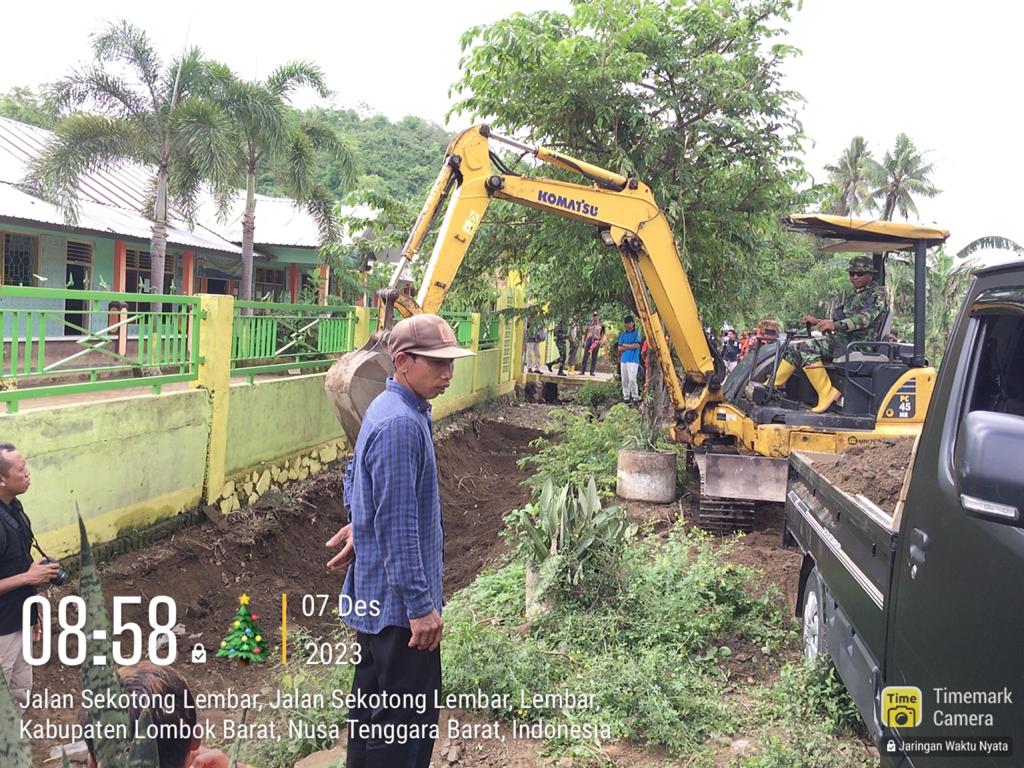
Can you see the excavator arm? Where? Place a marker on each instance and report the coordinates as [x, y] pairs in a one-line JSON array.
[[626, 217]]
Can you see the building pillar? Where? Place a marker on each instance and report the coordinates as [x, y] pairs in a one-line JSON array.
[[120, 262], [215, 378], [188, 273], [293, 282], [325, 283]]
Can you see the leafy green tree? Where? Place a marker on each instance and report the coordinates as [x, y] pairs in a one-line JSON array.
[[902, 175], [26, 106], [849, 175], [137, 108], [687, 97], [266, 137]]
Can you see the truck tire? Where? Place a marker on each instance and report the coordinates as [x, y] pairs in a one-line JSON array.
[[813, 618]]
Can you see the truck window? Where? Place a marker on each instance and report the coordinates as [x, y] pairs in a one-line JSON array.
[[999, 366]]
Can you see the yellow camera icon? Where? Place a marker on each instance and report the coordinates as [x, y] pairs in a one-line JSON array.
[[901, 706]]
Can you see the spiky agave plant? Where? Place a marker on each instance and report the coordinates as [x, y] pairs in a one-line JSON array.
[[109, 752]]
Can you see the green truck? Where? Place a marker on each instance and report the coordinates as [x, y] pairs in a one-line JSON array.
[[918, 606]]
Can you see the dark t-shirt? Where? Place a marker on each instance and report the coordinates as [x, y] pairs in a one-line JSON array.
[[730, 350], [15, 558]]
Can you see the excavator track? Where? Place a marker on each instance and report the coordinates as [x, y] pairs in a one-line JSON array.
[[721, 516]]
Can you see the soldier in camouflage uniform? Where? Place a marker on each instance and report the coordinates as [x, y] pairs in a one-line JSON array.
[[857, 319]]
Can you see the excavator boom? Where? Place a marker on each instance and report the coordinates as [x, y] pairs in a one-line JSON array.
[[627, 218]]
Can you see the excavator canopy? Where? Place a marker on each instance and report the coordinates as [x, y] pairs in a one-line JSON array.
[[865, 235]]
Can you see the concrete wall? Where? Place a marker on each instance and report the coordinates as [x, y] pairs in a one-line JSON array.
[[271, 419], [125, 463], [133, 461]]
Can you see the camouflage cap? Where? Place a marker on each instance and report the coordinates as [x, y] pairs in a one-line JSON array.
[[861, 263]]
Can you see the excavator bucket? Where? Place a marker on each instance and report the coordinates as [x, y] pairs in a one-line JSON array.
[[355, 379]]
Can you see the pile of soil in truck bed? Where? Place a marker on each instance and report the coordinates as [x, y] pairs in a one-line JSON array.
[[873, 468]]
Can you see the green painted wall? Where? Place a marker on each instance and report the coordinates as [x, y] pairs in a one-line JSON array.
[[125, 462], [488, 368], [270, 419]]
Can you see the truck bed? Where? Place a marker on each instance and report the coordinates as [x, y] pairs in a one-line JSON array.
[[852, 542]]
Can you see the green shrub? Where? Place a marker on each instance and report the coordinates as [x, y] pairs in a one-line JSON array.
[[649, 653], [584, 446], [814, 691], [595, 393]]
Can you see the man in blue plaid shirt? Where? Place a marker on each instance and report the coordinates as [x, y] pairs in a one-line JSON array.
[[396, 535]]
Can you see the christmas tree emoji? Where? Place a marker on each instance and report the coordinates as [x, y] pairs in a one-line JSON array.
[[244, 642]]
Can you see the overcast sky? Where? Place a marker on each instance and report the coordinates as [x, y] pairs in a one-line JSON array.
[[949, 79]]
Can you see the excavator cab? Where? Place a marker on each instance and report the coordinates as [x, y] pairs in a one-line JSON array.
[[866, 371]]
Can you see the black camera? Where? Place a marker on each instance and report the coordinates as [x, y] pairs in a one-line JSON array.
[[62, 576]]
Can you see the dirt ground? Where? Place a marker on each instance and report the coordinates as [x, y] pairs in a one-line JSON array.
[[875, 468], [278, 548]]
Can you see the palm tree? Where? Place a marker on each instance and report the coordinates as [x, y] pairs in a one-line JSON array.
[[993, 242], [902, 174], [142, 110], [264, 136], [849, 175]]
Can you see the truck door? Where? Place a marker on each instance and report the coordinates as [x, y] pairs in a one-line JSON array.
[[956, 625]]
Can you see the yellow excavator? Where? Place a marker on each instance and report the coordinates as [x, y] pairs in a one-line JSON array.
[[740, 428]]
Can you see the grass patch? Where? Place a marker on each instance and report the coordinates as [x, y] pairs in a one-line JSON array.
[[811, 720], [650, 654]]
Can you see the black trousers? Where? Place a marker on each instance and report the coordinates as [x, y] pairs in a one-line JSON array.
[[390, 666], [593, 358]]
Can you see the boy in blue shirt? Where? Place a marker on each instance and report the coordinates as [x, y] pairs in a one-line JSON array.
[[628, 344]]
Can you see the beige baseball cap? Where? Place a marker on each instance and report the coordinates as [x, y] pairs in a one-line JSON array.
[[427, 335]]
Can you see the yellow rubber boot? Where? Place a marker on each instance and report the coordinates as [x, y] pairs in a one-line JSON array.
[[782, 375], [827, 394]]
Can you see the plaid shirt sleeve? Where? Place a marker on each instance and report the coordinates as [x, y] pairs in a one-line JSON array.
[[393, 460]]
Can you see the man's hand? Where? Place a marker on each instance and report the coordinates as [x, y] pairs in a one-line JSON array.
[[426, 631], [809, 320], [825, 326], [343, 539], [210, 758], [41, 573]]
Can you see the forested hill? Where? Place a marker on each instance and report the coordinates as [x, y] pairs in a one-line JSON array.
[[399, 158]]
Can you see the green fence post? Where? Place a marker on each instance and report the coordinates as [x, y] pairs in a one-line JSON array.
[[215, 378]]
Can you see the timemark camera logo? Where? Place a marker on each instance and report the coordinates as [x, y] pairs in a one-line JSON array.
[[901, 706]]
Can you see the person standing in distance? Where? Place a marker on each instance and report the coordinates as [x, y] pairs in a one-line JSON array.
[[395, 546], [19, 576], [628, 344]]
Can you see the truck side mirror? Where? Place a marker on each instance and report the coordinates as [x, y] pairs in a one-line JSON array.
[[988, 466]]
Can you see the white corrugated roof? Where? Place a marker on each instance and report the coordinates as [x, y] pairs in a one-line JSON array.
[[111, 201]]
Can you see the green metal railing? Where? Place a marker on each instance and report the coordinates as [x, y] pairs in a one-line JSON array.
[[462, 324], [62, 342], [490, 333], [270, 338]]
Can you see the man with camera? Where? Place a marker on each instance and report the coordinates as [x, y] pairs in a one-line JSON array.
[[19, 576]]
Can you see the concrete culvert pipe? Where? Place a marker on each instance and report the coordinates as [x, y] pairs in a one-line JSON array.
[[647, 476]]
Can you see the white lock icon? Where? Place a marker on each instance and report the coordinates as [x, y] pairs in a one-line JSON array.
[[198, 653], [890, 746]]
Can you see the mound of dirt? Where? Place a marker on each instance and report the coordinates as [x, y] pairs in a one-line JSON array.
[[874, 468]]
